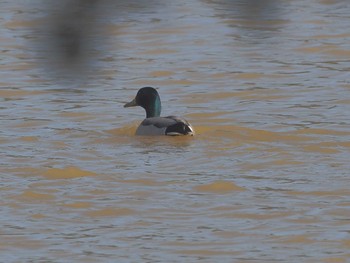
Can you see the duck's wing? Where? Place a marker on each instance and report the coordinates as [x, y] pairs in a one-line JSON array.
[[171, 125], [159, 122]]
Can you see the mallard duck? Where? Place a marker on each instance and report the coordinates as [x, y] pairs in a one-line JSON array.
[[148, 98]]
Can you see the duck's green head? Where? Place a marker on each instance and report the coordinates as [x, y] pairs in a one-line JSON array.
[[148, 98]]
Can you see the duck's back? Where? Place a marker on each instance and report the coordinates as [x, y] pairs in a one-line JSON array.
[[171, 125]]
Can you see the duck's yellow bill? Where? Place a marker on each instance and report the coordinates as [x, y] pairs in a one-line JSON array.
[[131, 104]]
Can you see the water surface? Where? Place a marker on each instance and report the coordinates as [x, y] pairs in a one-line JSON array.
[[264, 83]]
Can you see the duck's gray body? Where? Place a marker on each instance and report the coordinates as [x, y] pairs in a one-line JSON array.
[[148, 98], [170, 125]]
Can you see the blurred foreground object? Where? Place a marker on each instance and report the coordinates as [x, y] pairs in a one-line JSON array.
[[71, 42], [67, 43]]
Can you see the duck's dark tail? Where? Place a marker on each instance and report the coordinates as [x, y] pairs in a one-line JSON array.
[[179, 128]]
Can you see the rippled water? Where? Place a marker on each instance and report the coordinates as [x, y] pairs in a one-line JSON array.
[[264, 83]]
